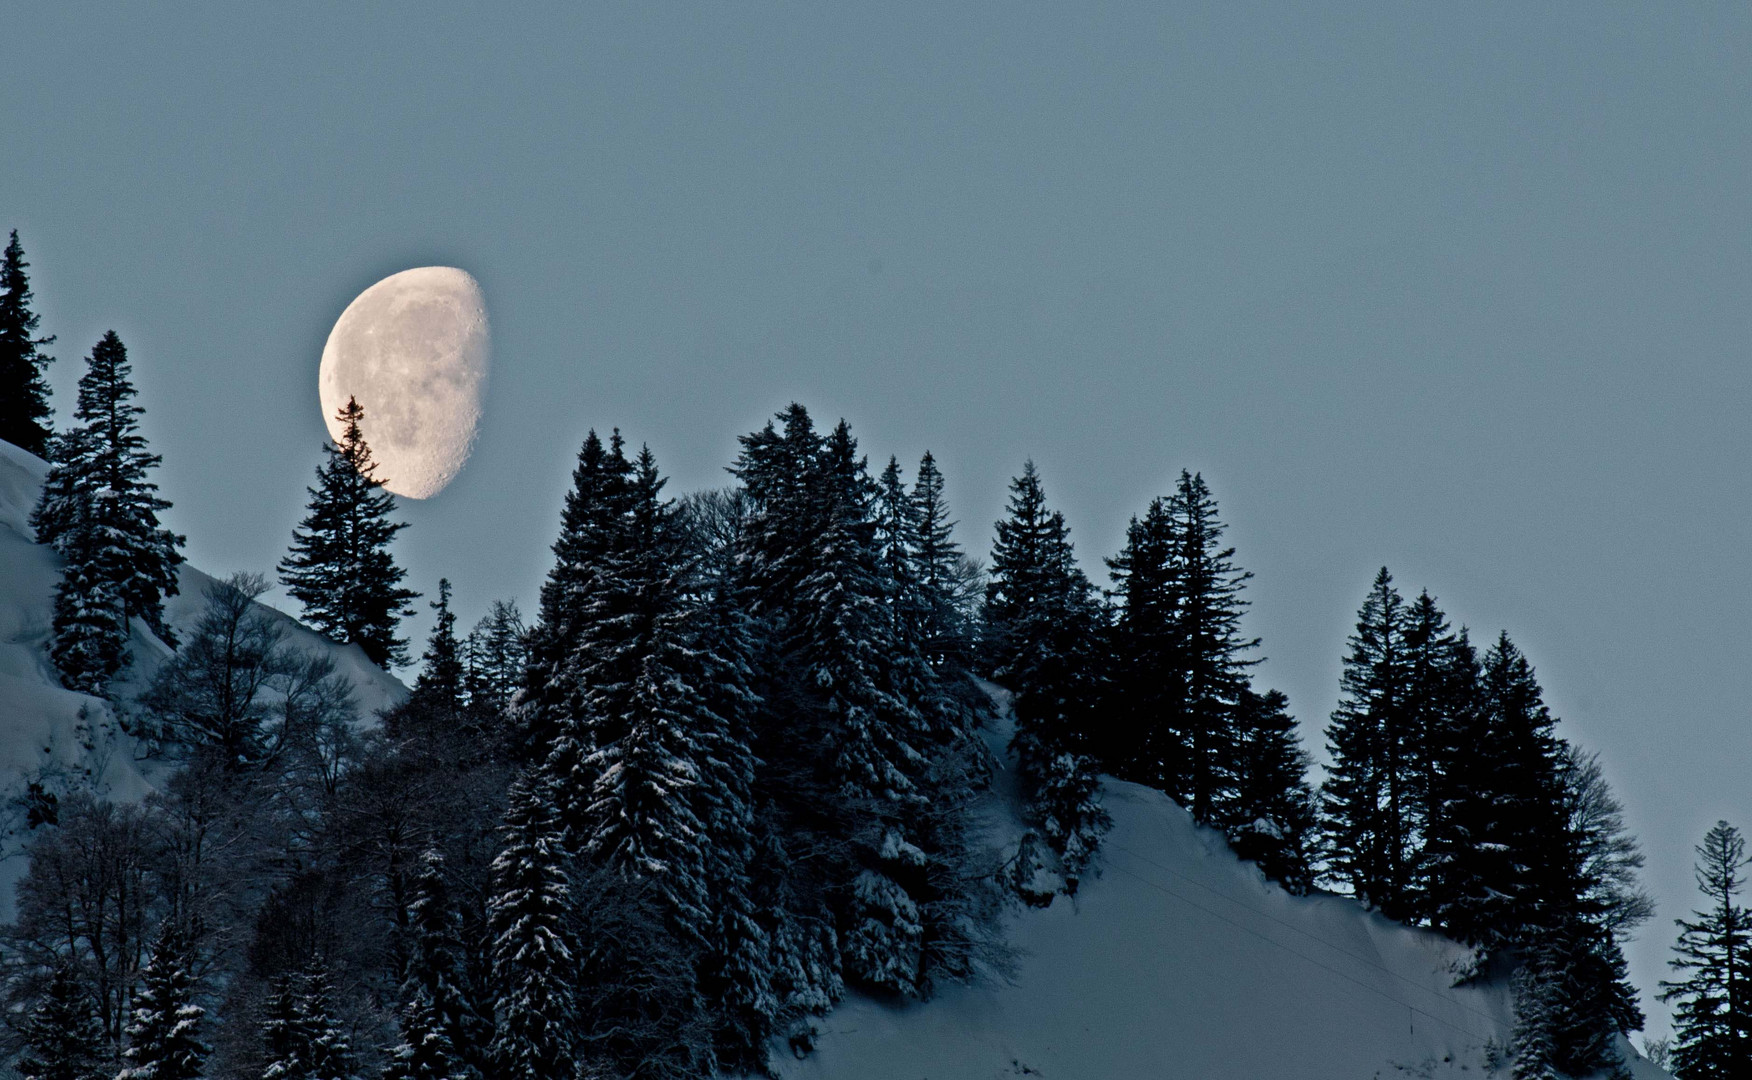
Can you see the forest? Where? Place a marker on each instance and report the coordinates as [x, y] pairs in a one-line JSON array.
[[726, 773]]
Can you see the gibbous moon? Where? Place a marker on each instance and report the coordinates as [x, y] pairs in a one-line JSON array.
[[414, 350]]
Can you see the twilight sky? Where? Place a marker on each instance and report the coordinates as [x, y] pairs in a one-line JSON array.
[[1464, 292]]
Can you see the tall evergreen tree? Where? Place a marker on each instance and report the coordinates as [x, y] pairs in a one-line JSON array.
[[533, 950], [1713, 1016], [24, 396], [100, 511], [1509, 877], [62, 1038], [1042, 632], [340, 567], [1439, 692], [940, 570], [1270, 815], [1148, 678], [440, 683], [1208, 624], [494, 657], [572, 598], [438, 990], [164, 1038], [1364, 794]]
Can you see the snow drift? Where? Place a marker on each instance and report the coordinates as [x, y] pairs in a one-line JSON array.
[[1180, 960]]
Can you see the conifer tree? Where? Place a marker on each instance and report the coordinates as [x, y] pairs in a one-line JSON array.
[[1438, 694], [438, 988], [1713, 1015], [494, 658], [1368, 792], [283, 1035], [24, 396], [1148, 680], [62, 1038], [940, 570], [425, 1051], [330, 1052], [1270, 815], [572, 599], [440, 682], [100, 511], [340, 567], [533, 951], [1507, 879], [164, 1038], [1042, 629], [1208, 624], [90, 621]]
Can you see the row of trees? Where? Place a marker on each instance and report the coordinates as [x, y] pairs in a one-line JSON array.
[[1450, 801]]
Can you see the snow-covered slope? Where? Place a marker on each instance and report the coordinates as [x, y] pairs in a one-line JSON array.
[[73, 739], [1179, 960]]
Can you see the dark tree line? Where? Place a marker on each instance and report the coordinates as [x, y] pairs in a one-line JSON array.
[[728, 773]]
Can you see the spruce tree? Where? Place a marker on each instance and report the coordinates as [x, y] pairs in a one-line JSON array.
[[1147, 692], [438, 987], [90, 640], [62, 1038], [1366, 796], [494, 657], [24, 396], [100, 511], [1713, 1016], [425, 1051], [1042, 633], [440, 682], [1438, 695], [534, 955], [164, 1038], [940, 571], [1208, 625], [1508, 879], [284, 1038], [330, 1052], [572, 598], [1270, 815], [340, 567]]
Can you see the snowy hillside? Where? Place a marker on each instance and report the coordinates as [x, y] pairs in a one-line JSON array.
[[1181, 961], [68, 738]]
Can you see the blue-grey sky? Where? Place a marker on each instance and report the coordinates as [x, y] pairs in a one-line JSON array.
[[1461, 289]]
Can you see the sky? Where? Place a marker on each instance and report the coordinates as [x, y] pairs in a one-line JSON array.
[[1461, 290]]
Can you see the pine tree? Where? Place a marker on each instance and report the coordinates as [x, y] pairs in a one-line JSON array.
[[1367, 791], [533, 951], [283, 1035], [304, 1038], [1270, 815], [24, 396], [494, 657], [62, 1036], [1438, 696], [164, 1038], [340, 567], [1713, 1017], [1042, 629]]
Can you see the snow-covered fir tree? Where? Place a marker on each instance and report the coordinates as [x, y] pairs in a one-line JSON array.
[[99, 509], [425, 1051], [24, 395], [1147, 692], [164, 1038], [1712, 1017], [301, 1032], [1042, 632], [942, 573], [340, 567], [494, 657], [534, 954], [438, 979], [61, 1036]]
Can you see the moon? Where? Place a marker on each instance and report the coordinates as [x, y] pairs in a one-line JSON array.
[[414, 349]]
